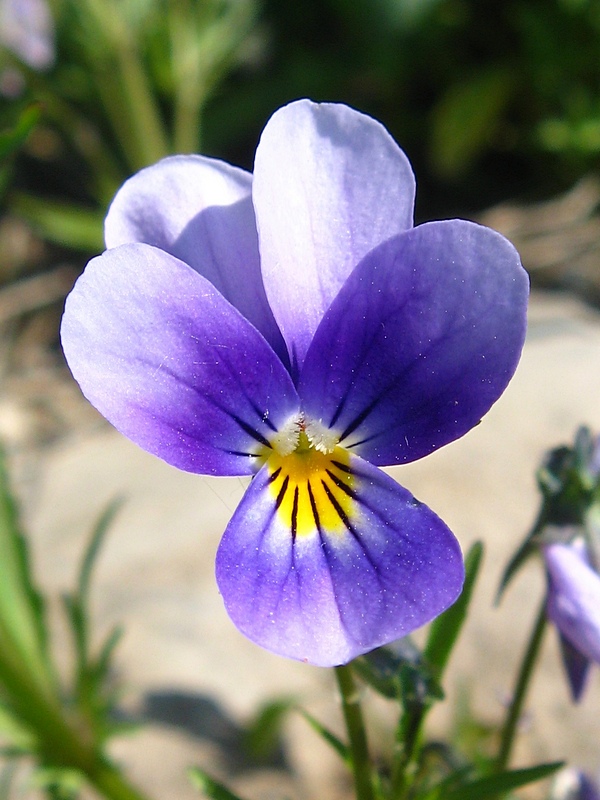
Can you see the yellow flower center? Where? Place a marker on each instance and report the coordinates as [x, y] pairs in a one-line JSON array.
[[312, 489]]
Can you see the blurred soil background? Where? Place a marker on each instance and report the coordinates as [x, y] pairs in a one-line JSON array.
[[498, 107]]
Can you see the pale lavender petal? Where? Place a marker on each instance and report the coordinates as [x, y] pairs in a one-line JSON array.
[[165, 358], [329, 185], [574, 598], [199, 210], [326, 568], [27, 29], [420, 342]]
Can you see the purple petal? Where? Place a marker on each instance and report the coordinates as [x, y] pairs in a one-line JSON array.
[[27, 29], [588, 790], [574, 598], [199, 210], [328, 558], [165, 358], [576, 666], [329, 185], [420, 342]]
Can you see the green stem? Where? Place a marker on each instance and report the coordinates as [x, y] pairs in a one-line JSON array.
[[521, 686], [357, 736], [407, 740]]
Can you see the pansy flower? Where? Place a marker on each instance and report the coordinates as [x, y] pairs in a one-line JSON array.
[[293, 325], [573, 605]]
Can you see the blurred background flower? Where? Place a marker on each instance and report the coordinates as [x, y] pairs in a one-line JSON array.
[[27, 29]]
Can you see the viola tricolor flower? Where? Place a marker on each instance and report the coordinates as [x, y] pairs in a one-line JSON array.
[[294, 326], [573, 605]]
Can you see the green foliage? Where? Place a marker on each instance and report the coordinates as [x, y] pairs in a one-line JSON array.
[[62, 729], [329, 737], [129, 86], [23, 635], [489, 99], [569, 482], [490, 786], [91, 684], [444, 631], [400, 672], [262, 735], [14, 138], [210, 787]]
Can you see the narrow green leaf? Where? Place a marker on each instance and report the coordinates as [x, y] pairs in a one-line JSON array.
[[12, 140], [23, 632], [64, 223], [210, 787], [444, 630], [262, 735], [340, 748], [101, 665], [527, 549], [94, 546], [13, 733], [492, 785]]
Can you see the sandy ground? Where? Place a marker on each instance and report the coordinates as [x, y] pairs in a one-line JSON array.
[[197, 680]]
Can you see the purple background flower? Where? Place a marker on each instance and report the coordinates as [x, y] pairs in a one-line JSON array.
[[574, 607], [27, 29], [294, 326]]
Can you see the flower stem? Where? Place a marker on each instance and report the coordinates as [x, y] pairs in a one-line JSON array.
[[521, 686], [357, 736]]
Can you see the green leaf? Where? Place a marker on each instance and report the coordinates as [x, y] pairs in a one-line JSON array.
[[58, 783], [210, 787], [399, 672], [490, 786], [64, 223], [91, 672], [94, 546], [23, 635], [444, 630], [340, 748], [12, 140], [526, 550], [262, 735], [465, 118], [14, 733]]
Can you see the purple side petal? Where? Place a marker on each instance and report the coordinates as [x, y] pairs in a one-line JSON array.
[[351, 579], [172, 364], [574, 599], [199, 210], [329, 185], [576, 666], [420, 342]]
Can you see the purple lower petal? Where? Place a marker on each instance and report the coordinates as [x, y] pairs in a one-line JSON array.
[[325, 563], [199, 210], [420, 342], [574, 598], [165, 358]]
